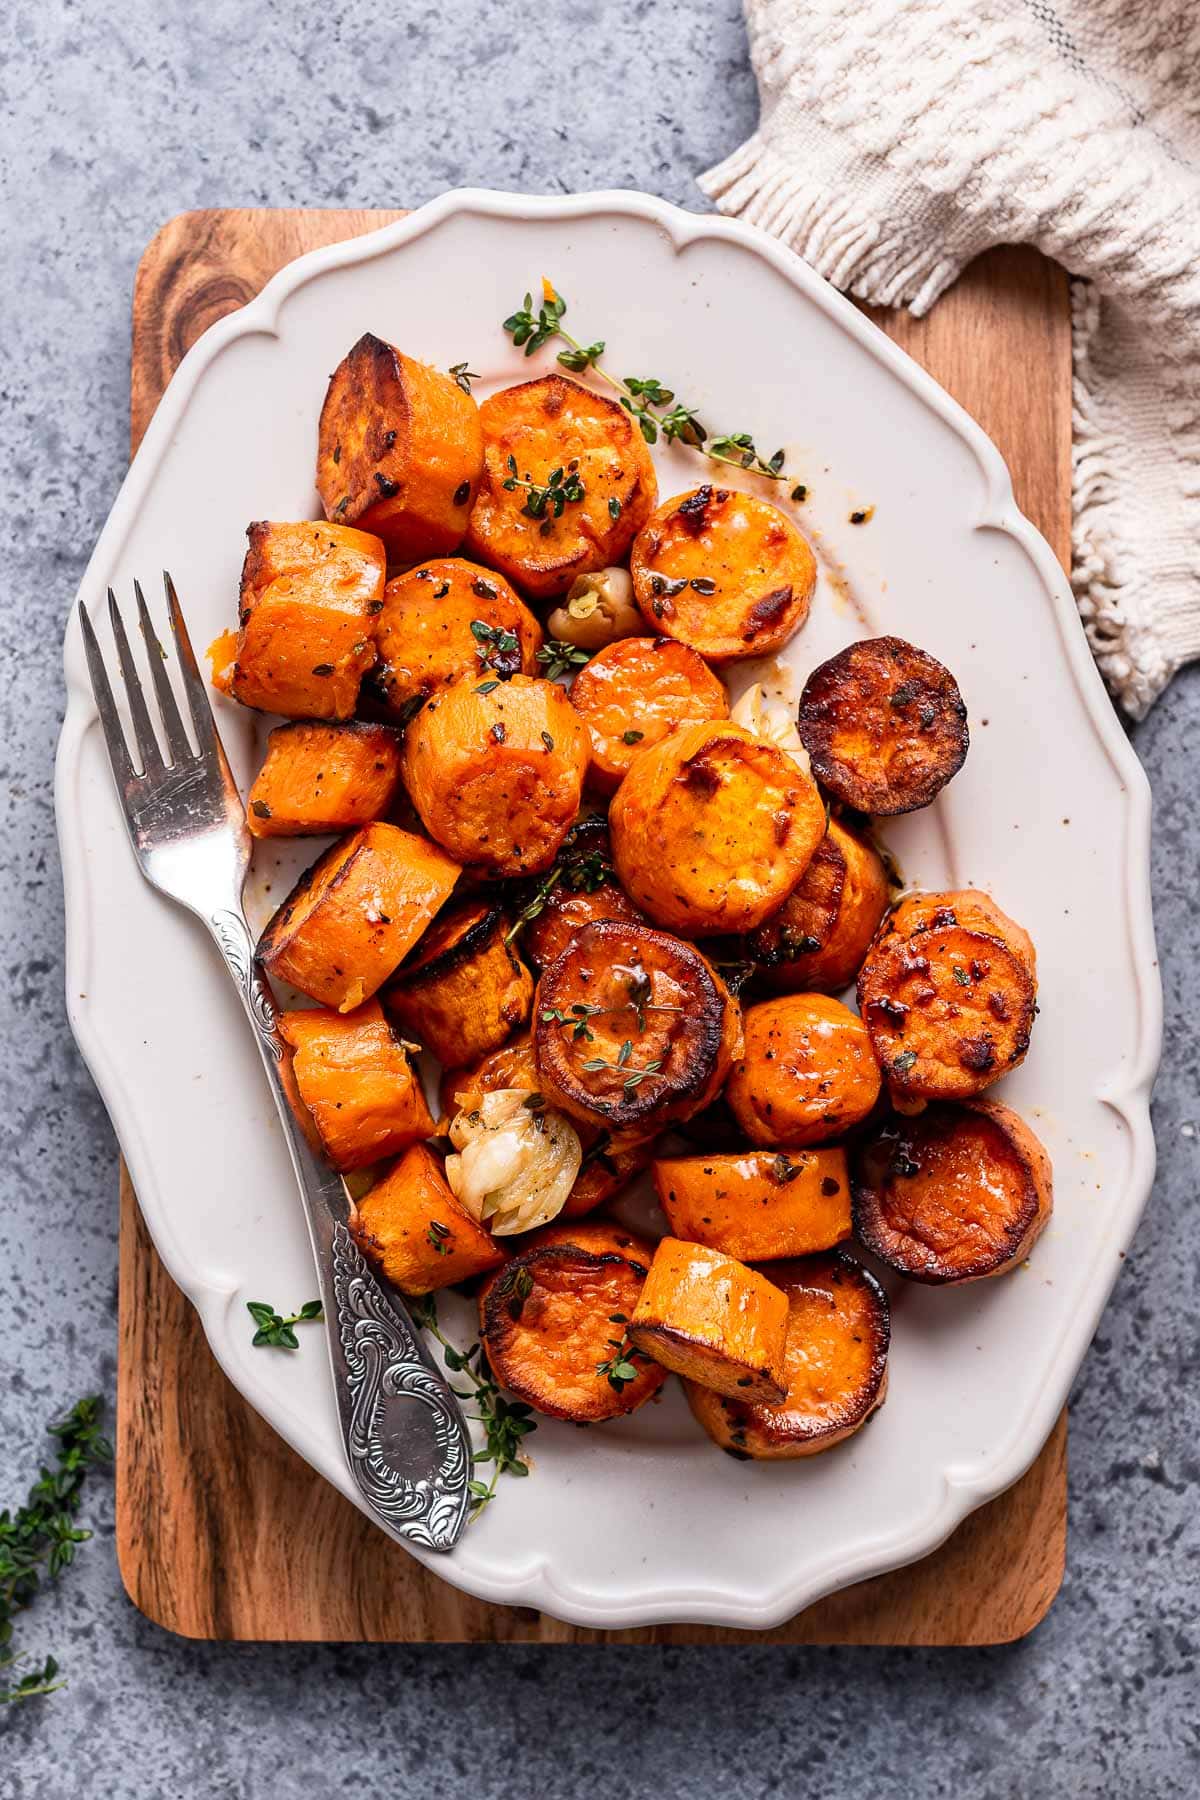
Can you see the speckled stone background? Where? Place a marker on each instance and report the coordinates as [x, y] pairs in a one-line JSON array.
[[112, 118]]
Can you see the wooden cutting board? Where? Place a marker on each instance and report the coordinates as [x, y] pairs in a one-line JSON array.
[[222, 1531]]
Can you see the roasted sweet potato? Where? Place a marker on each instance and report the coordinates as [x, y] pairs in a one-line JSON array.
[[884, 725], [533, 432], [806, 1074], [632, 1029], [758, 1205], [351, 918], [955, 1194], [817, 939], [450, 617], [306, 619], [713, 828], [948, 993], [359, 1089], [714, 1321], [724, 572], [464, 988], [318, 778], [495, 770], [415, 1232], [605, 1169], [634, 694], [603, 1237], [585, 888], [836, 1366], [399, 451], [553, 1326]]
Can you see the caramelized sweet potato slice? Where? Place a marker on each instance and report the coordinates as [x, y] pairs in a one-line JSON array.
[[807, 1071], [635, 693], [399, 451], [531, 431], [352, 917], [415, 1232], [309, 596], [445, 618], [606, 1168], [724, 572], [632, 1029], [552, 1324], [495, 770], [713, 828], [757, 1205], [835, 1366], [948, 993], [884, 725], [957, 1193], [463, 989], [359, 1089], [319, 778], [816, 941], [584, 888], [714, 1321]]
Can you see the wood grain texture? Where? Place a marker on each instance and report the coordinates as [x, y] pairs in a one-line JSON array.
[[202, 1481]]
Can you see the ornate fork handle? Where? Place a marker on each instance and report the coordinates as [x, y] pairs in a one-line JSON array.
[[396, 1412]]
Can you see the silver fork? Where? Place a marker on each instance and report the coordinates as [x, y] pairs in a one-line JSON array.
[[405, 1438]]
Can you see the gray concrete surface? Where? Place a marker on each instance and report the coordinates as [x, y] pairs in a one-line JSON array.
[[113, 117]]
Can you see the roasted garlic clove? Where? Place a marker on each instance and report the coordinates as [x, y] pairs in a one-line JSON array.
[[598, 610], [517, 1161]]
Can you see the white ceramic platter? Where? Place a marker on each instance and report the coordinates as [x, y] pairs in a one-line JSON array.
[[643, 1520]]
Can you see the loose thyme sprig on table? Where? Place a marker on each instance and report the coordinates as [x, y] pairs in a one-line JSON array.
[[276, 1331], [39, 1540], [652, 404], [505, 1422]]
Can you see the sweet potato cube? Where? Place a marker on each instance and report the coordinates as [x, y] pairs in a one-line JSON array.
[[415, 1232], [361, 1092], [757, 1205], [399, 451], [355, 914], [319, 778], [309, 597], [714, 1321]]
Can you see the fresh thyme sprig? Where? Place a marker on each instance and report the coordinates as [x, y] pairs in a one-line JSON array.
[[647, 399], [577, 1018], [619, 1368], [39, 1541], [636, 1076], [277, 1331], [496, 648], [464, 376], [582, 874], [560, 658], [546, 501], [506, 1423]]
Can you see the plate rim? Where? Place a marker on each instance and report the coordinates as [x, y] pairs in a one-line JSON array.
[[1128, 1094]]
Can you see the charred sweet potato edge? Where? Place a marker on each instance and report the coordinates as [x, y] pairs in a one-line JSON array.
[[498, 1322], [648, 1098], [841, 778], [1037, 1202], [475, 938]]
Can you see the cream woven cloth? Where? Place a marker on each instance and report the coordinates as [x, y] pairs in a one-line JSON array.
[[899, 138]]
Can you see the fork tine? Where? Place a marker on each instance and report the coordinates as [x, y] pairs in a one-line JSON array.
[[193, 681], [106, 706], [143, 730], [177, 737]]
